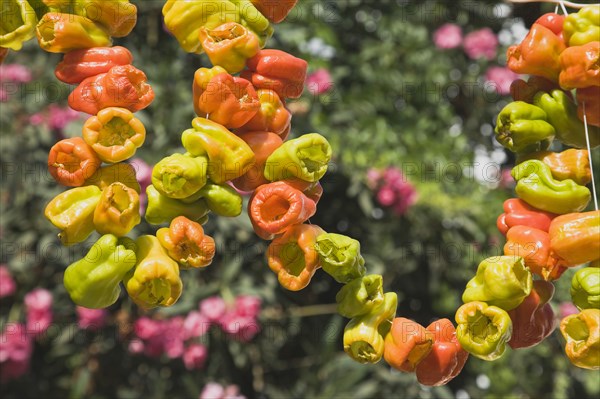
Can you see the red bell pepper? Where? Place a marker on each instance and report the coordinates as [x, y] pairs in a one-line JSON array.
[[262, 144], [406, 345], [275, 11], [589, 96], [533, 320], [78, 65], [518, 213], [272, 116], [552, 21]]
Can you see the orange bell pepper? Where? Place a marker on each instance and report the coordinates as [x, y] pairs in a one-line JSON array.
[[72, 161], [407, 344], [78, 65], [533, 245], [271, 117], [571, 164], [580, 66], [275, 11], [61, 33], [276, 207], [114, 134], [538, 54], [519, 213], [552, 21], [575, 237], [262, 144], [122, 86], [227, 100], [186, 243], [533, 319], [293, 256], [278, 71], [202, 78], [589, 96], [446, 359], [229, 45]]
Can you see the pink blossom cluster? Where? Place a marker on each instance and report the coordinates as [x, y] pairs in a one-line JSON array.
[[481, 43], [54, 117], [500, 78], [319, 82], [177, 336], [13, 73], [393, 189], [7, 284], [91, 319], [213, 390], [38, 308]]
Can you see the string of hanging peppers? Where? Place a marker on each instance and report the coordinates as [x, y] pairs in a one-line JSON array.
[[239, 141]]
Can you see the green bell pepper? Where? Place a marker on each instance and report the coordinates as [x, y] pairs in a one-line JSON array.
[[483, 330], [305, 157], [179, 176], [221, 199], [582, 27], [562, 115], [585, 288], [340, 257], [17, 24], [162, 209], [364, 336], [360, 296], [94, 281], [523, 127], [537, 187], [501, 281]]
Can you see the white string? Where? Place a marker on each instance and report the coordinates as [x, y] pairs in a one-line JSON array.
[[556, 9], [565, 3], [562, 5], [589, 148]]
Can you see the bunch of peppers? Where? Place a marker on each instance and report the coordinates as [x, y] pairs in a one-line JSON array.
[[547, 228]]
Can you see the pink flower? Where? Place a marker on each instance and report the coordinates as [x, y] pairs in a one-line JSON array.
[[195, 325], [36, 119], [213, 308], [406, 197], [195, 356], [60, 117], [448, 36], [143, 172], [4, 97], [15, 352], [7, 284], [241, 328], [136, 346], [212, 390], [397, 192], [386, 196], [247, 305], [373, 178], [481, 43], [172, 337], [91, 319], [319, 81], [38, 306], [16, 73], [566, 309], [501, 78], [147, 328], [394, 177]]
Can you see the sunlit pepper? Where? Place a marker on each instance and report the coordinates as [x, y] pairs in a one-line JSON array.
[[221, 199], [229, 156], [582, 333], [483, 330], [305, 157], [533, 245], [271, 117], [537, 187], [533, 319], [360, 296], [589, 98], [501, 281], [114, 134], [519, 213], [94, 281], [61, 33], [364, 336], [200, 84], [154, 281], [78, 65], [525, 91], [575, 237], [179, 176], [275, 11], [17, 24], [446, 358], [537, 54], [229, 45], [186, 243], [278, 71], [580, 66], [292, 256], [406, 344], [228, 100], [275, 207], [340, 257], [585, 288], [118, 210], [73, 212], [582, 27], [552, 21], [185, 18], [312, 190], [569, 164], [119, 172], [262, 145], [523, 127], [562, 114], [122, 86], [118, 17], [162, 209], [72, 161]]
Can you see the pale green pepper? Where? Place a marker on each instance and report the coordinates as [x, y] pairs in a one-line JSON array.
[[340, 257]]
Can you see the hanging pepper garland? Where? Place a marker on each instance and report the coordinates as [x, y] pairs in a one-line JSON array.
[[239, 139]]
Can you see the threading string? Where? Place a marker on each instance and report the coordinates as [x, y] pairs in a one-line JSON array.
[[589, 148], [556, 9], [569, 4], [562, 5]]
